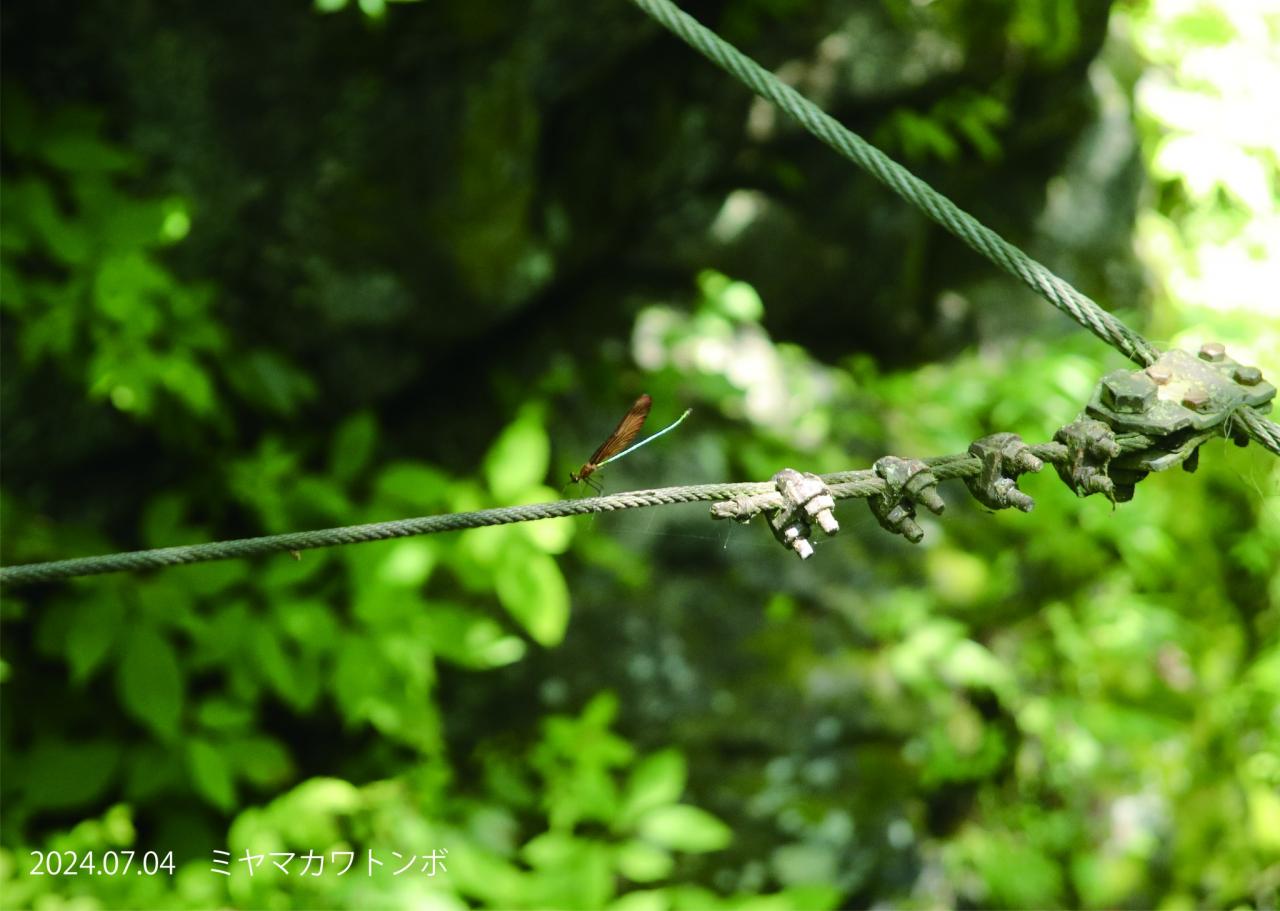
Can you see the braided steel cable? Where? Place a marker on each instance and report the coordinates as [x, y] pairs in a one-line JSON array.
[[845, 484]]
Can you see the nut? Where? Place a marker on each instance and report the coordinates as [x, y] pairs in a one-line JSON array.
[[1248, 376], [1197, 400], [1159, 373], [1213, 352], [1129, 393]]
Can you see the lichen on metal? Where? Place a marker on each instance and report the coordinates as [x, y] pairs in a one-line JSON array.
[[1183, 400], [1179, 392], [1004, 457], [1091, 445], [907, 482]]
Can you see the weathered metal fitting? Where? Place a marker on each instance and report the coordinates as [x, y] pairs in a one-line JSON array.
[[1197, 401], [1247, 375], [1004, 457], [906, 483], [804, 498], [1213, 352], [808, 492], [793, 532], [1091, 445], [821, 509], [1129, 393]]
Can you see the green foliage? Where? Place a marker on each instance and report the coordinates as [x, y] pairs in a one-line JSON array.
[[373, 9], [80, 268], [1073, 707], [937, 133], [551, 857]]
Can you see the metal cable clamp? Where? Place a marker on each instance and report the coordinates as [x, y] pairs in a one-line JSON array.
[[1004, 457], [907, 482]]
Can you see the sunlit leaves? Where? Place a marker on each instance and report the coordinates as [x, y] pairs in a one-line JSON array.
[[412, 485], [1012, 873], [113, 314], [657, 780], [469, 638], [684, 828], [373, 9], [642, 862], [518, 459], [533, 590]]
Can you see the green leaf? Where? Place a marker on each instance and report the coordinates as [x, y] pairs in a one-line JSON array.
[[404, 564], [221, 714], [352, 446], [95, 625], [286, 676], [149, 681], [641, 862], [83, 152], [551, 849], [261, 760], [533, 591], [551, 536], [412, 484], [463, 636], [741, 302], [265, 379], [151, 770], [211, 774], [1017, 875], [162, 523], [187, 381], [57, 775], [685, 828], [121, 286], [519, 457], [645, 900], [358, 679], [657, 780], [309, 623]]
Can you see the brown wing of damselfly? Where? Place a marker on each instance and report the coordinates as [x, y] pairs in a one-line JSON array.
[[624, 433]]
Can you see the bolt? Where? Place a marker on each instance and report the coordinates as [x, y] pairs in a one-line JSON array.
[[1128, 393], [1160, 374], [1213, 352], [1248, 376], [1100, 483], [1197, 400]]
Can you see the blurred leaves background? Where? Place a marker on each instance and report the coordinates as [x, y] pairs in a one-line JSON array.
[[267, 268]]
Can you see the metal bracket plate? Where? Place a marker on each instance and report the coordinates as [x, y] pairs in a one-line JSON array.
[[1180, 392]]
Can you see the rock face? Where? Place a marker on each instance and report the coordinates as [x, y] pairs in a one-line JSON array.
[[475, 174]]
